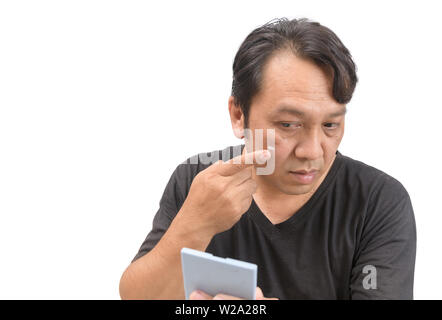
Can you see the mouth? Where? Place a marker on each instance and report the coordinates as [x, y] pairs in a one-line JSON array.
[[304, 176]]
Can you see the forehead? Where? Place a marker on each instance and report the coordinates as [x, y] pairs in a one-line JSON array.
[[288, 80]]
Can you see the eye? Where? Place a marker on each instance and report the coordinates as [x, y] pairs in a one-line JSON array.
[[290, 125], [331, 125]]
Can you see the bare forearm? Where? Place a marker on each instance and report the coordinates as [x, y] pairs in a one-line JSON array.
[[157, 275]]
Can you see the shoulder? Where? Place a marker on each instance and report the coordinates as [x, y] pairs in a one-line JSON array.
[[381, 202], [365, 179]]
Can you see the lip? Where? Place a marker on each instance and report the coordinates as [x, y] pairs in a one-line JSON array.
[[304, 176], [305, 171]]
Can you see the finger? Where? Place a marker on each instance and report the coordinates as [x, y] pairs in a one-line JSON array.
[[259, 294], [221, 296], [242, 176], [200, 295], [243, 161]]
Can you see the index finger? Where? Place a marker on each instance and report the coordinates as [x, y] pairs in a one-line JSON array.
[[243, 161]]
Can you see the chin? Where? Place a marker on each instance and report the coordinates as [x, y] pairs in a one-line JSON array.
[[296, 189]]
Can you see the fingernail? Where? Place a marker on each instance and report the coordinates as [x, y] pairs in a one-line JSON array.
[[265, 155], [196, 295]]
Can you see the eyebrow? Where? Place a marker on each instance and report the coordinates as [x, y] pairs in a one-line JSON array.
[[297, 112]]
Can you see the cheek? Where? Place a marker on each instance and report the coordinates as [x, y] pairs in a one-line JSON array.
[[280, 140], [281, 137], [283, 145], [335, 140], [283, 149]]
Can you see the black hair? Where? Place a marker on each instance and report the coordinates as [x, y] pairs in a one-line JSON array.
[[306, 39]]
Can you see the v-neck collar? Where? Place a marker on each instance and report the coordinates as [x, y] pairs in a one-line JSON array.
[[274, 230]]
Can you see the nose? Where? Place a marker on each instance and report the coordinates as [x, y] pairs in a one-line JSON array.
[[309, 146]]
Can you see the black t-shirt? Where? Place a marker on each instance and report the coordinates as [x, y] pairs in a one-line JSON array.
[[355, 238]]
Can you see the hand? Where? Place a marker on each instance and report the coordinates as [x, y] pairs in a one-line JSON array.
[[200, 295], [222, 193]]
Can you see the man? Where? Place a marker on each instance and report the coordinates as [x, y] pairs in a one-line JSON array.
[[321, 225]]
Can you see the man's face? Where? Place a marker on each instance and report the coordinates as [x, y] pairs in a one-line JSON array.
[[296, 101]]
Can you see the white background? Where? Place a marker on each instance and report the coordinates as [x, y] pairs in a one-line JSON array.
[[100, 100]]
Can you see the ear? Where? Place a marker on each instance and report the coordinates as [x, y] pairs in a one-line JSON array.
[[237, 119]]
